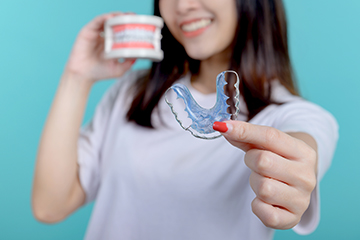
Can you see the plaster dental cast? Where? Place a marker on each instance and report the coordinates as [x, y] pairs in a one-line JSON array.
[[133, 36], [152, 180]]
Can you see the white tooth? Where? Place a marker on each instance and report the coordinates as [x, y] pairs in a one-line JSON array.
[[133, 35], [196, 25]]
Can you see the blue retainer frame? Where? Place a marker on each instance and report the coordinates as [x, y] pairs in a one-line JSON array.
[[202, 118]]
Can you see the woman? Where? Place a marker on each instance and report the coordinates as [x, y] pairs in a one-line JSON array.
[[151, 179]]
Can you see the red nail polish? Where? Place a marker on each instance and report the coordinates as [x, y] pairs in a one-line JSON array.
[[220, 126]]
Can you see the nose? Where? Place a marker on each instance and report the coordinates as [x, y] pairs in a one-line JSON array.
[[184, 6]]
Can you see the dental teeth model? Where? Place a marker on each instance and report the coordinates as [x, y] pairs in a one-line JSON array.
[[134, 36], [202, 119]]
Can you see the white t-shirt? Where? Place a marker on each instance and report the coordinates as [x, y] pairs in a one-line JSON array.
[[165, 184]]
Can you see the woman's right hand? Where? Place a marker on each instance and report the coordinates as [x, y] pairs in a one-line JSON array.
[[86, 60]]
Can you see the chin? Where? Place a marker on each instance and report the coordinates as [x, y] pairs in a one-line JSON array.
[[198, 55]]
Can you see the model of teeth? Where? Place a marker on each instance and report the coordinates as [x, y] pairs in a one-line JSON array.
[[134, 35], [196, 25]]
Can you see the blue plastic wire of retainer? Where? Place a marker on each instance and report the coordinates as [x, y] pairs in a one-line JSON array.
[[202, 118]]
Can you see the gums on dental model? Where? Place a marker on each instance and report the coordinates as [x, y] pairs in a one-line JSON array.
[[134, 36]]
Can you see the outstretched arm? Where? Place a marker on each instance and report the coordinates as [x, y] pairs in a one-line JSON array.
[[283, 170]]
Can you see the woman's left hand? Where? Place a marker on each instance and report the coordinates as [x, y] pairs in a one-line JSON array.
[[283, 170]]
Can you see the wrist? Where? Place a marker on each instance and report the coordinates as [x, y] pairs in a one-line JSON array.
[[78, 79]]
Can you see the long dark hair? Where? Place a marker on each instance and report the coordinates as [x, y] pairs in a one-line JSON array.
[[260, 55]]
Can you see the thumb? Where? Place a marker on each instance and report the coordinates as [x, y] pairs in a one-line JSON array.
[[240, 134], [122, 67]]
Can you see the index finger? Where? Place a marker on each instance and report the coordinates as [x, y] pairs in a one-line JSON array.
[[247, 136], [98, 22]]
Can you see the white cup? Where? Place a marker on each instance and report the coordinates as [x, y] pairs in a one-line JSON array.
[[134, 36]]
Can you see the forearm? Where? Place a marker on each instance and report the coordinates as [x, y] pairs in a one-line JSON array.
[[56, 168]]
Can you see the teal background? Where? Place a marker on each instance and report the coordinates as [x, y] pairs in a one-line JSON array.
[[37, 35]]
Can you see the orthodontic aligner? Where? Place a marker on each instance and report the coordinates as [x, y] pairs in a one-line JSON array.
[[202, 119]]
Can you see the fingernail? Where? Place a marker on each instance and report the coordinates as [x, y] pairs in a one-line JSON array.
[[222, 127]]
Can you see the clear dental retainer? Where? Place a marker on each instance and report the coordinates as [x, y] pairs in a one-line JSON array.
[[202, 119], [133, 36]]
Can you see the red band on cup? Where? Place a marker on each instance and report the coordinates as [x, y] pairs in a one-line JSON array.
[[146, 27], [133, 45]]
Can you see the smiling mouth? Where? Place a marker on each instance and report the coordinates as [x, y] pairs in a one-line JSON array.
[[195, 28]]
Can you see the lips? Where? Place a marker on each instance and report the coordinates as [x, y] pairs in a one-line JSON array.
[[195, 27]]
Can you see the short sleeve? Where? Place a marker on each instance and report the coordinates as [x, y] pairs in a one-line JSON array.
[[90, 140], [304, 116], [92, 135]]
